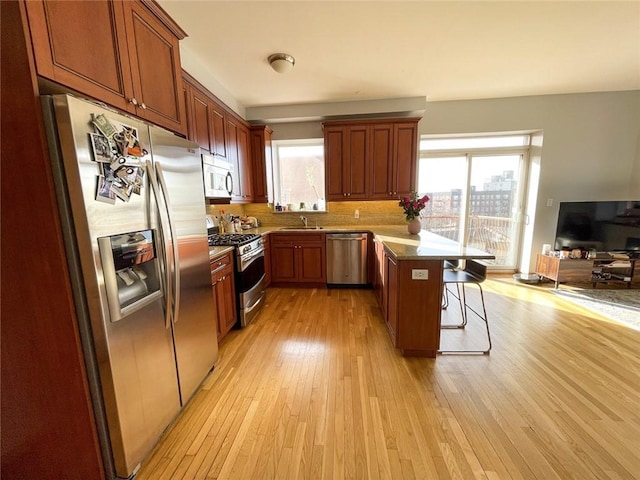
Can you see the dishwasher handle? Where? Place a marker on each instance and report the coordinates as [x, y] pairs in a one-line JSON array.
[[347, 236], [353, 239]]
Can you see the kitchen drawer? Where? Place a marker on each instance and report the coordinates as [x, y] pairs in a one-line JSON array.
[[296, 238], [221, 265]]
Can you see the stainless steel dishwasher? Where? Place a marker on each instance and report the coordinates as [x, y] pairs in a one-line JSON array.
[[347, 258]]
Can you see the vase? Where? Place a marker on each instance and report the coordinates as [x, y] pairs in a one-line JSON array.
[[414, 226]]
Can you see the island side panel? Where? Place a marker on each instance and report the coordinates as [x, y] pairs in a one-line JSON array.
[[419, 308]]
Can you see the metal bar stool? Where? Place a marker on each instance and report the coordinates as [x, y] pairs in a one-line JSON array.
[[473, 273], [451, 265]]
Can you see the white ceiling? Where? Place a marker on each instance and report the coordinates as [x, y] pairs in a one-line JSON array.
[[444, 50]]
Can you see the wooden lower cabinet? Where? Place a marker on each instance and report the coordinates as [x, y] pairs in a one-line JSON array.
[[298, 258], [392, 298], [222, 282], [267, 260], [377, 268], [412, 308]]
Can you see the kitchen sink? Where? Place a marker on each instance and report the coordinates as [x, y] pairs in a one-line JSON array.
[[300, 228]]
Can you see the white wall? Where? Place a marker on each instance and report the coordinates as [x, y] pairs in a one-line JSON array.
[[590, 151]]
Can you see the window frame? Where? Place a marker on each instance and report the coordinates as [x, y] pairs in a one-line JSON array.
[[275, 193]]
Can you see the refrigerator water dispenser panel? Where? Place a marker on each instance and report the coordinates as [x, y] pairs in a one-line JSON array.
[[131, 271]]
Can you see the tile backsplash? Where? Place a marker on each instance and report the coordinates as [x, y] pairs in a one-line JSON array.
[[384, 212]]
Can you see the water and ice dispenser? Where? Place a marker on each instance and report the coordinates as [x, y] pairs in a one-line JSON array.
[[131, 271]]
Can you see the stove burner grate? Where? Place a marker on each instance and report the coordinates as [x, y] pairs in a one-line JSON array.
[[232, 239]]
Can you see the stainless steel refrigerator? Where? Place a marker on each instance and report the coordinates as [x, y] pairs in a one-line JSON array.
[[132, 203]]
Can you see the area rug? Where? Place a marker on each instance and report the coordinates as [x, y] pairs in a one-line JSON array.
[[622, 305]]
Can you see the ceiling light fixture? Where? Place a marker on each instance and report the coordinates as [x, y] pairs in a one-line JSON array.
[[281, 62]]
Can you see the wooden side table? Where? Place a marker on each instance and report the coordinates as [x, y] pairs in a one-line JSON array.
[[564, 269]]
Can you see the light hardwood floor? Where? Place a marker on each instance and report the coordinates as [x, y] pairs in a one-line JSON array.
[[313, 389]]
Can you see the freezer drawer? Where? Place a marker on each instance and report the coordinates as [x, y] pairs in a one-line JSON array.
[[347, 258]]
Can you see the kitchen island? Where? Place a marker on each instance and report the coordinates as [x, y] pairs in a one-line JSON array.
[[407, 278], [409, 272]]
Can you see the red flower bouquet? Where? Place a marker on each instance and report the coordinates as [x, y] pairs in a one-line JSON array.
[[412, 205]]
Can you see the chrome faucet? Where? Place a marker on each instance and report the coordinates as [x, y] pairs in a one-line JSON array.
[[304, 220]]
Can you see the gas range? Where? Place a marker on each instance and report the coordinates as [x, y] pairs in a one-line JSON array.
[[249, 271], [244, 242]]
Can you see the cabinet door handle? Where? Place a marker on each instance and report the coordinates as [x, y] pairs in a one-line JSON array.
[[133, 101], [144, 107]]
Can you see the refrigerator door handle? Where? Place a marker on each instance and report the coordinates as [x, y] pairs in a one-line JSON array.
[[174, 242], [165, 261]]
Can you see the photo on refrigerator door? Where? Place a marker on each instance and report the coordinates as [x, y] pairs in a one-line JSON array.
[[103, 192], [128, 141], [101, 148]]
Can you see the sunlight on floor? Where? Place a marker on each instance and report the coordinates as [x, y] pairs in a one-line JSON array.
[[543, 295]]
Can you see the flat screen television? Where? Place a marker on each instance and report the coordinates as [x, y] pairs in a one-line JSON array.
[[606, 226]]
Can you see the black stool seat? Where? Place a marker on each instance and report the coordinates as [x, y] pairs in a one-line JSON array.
[[474, 273], [461, 276]]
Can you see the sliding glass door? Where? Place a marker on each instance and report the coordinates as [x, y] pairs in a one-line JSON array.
[[476, 199]]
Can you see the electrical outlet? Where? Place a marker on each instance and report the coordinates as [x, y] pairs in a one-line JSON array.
[[356, 214], [419, 274], [549, 202]]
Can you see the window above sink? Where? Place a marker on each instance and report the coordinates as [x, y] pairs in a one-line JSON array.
[[298, 175]]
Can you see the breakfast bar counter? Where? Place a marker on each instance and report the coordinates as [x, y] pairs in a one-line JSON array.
[[425, 245], [399, 243], [407, 279]]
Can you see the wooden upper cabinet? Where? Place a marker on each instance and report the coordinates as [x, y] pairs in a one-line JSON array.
[[405, 156], [122, 53], [346, 152], [244, 164], [334, 157], [356, 168], [260, 161], [370, 160], [90, 56], [218, 135], [199, 107], [231, 127], [208, 119], [381, 141], [155, 67], [238, 157], [394, 155]]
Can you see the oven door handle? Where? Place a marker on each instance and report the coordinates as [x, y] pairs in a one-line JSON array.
[[250, 256], [255, 304]]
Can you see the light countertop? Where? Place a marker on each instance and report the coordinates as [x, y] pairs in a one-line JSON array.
[[217, 251], [397, 241]]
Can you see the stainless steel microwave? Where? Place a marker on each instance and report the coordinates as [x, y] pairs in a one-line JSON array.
[[218, 181]]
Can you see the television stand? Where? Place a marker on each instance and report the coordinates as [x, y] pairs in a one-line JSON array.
[[599, 270]]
